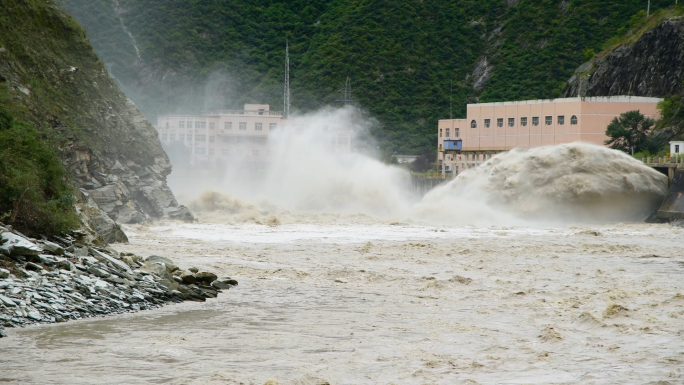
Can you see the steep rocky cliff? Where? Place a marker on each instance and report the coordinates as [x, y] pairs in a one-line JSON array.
[[651, 66], [49, 71]]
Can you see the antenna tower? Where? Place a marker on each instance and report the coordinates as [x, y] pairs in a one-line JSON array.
[[346, 93], [286, 99]]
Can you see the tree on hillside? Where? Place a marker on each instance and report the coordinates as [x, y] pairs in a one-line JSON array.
[[629, 132], [672, 111]]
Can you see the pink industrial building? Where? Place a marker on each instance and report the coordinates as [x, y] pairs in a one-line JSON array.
[[491, 128], [233, 136]]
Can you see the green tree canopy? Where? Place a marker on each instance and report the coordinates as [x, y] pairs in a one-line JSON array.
[[630, 132]]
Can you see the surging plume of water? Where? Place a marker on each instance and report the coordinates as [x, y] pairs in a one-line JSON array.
[[569, 183], [306, 173], [307, 169]]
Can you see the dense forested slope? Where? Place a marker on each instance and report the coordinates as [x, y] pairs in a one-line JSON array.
[[402, 55]]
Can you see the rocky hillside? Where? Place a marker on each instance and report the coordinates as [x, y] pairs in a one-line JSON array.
[[402, 56], [651, 65], [51, 78], [647, 60]]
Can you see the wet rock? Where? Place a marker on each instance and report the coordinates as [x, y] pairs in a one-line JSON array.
[[7, 301], [220, 285], [12, 244], [229, 281], [188, 277], [170, 266], [206, 278], [52, 247], [194, 270], [57, 289], [33, 266], [102, 257]]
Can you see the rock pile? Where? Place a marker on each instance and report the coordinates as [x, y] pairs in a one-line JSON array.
[[44, 281]]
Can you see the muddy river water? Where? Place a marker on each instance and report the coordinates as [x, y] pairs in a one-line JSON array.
[[357, 301]]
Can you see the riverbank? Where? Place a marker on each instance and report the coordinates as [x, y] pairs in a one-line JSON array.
[[69, 278]]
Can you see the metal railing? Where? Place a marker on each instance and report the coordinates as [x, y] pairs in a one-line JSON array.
[[675, 159], [243, 113]]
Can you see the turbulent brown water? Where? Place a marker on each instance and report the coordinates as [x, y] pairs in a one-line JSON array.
[[330, 294], [352, 300]]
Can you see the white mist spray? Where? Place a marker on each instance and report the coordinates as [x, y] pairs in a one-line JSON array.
[[570, 183]]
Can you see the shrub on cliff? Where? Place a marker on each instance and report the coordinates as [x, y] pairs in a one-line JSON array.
[[34, 191]]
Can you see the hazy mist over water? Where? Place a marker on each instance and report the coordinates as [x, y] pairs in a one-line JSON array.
[[569, 183]]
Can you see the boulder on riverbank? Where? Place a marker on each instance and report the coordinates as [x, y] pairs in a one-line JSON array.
[[56, 280]]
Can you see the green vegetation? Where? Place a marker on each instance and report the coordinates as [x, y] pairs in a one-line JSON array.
[[34, 191], [672, 112], [402, 56], [55, 95], [632, 133]]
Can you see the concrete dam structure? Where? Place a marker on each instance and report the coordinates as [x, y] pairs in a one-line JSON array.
[[673, 205]]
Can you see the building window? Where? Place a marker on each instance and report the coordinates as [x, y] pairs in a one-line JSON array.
[[165, 137], [189, 125], [535, 120], [440, 132], [211, 139], [499, 122], [197, 124], [181, 137], [211, 126], [258, 126], [473, 124], [549, 120], [511, 122], [272, 126], [200, 151], [211, 151], [561, 120], [676, 151], [241, 152], [225, 152], [172, 137], [167, 124], [255, 152], [487, 121], [523, 122], [181, 124], [573, 120], [200, 138], [458, 132], [188, 137], [448, 132], [239, 139], [228, 125], [243, 126]]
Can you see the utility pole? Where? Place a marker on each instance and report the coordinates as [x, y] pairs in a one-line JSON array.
[[286, 99], [451, 100], [346, 93], [648, 8]]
